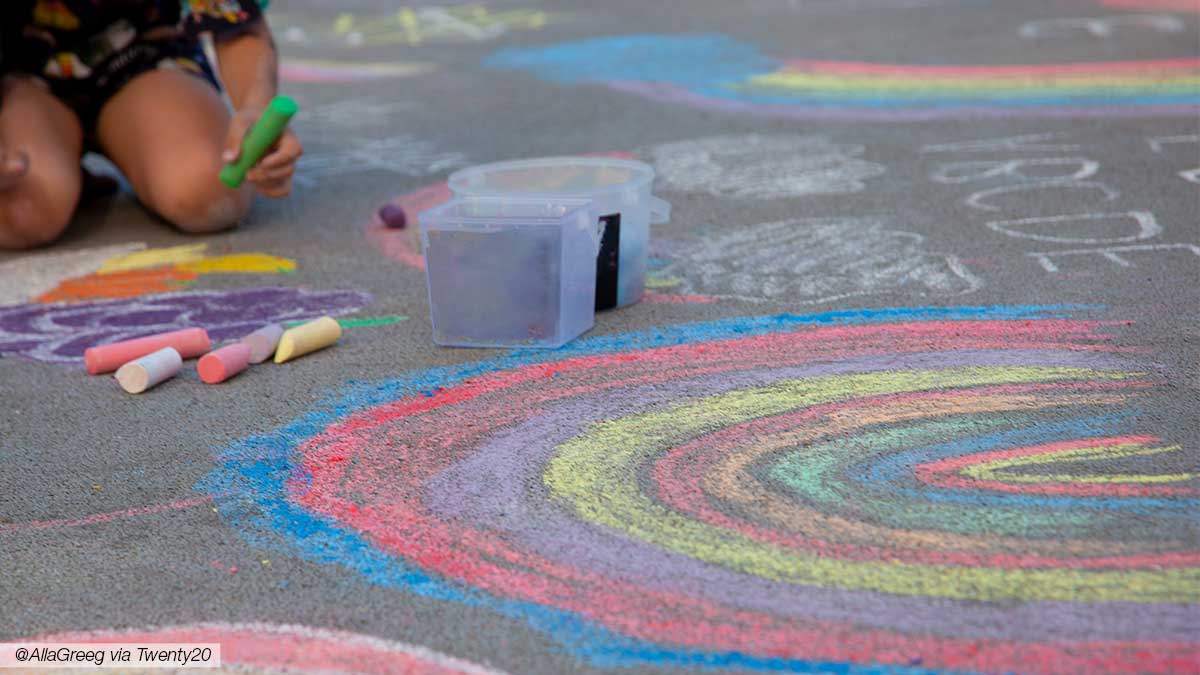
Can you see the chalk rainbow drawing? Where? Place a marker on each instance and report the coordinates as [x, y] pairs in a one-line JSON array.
[[123, 271], [275, 648], [77, 299], [718, 72], [838, 492], [59, 332], [26, 277]]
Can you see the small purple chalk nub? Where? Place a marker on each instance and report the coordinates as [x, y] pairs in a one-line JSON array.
[[393, 217]]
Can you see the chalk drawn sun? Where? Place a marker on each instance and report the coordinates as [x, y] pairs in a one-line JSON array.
[[903, 490]]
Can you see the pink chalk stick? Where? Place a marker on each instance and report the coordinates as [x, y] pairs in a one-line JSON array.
[[222, 364], [189, 342]]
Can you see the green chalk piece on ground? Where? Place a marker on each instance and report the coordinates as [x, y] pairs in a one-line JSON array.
[[363, 323], [259, 139]]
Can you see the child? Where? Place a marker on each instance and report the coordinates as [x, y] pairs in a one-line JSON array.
[[129, 79]]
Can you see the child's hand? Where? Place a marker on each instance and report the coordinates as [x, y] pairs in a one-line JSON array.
[[273, 173], [13, 166]]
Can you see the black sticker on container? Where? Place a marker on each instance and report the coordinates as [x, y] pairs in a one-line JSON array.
[[608, 263]]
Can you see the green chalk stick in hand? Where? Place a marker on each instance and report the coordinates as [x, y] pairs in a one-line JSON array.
[[259, 139]]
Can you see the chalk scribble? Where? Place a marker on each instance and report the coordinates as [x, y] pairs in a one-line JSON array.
[[764, 166]]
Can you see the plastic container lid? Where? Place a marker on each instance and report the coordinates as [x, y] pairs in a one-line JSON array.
[[558, 176], [506, 212]]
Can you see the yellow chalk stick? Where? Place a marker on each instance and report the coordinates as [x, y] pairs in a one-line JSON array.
[[307, 337]]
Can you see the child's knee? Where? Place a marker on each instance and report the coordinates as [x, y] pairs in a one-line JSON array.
[[198, 203], [212, 213], [31, 217]]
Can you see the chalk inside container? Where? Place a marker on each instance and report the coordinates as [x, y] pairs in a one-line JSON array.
[[510, 272]]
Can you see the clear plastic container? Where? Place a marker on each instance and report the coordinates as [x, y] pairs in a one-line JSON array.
[[619, 189], [510, 272]]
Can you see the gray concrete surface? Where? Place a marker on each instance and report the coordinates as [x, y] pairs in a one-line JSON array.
[[74, 448]]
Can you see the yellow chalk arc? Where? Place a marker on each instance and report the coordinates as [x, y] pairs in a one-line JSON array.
[[154, 257]]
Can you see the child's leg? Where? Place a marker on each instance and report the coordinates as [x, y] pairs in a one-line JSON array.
[[38, 207], [165, 131]]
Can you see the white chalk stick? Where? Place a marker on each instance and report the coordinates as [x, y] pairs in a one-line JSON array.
[[263, 342], [150, 370]]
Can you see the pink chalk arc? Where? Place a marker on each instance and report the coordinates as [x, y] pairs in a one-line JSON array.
[[106, 517]]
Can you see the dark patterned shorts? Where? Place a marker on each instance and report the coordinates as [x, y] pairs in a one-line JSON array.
[[88, 96]]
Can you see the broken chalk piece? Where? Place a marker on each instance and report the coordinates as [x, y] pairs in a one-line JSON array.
[[150, 370], [189, 342], [393, 217], [307, 337], [263, 341], [221, 364]]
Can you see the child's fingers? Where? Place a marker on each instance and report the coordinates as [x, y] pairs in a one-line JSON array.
[[276, 189], [285, 152], [280, 174], [238, 126], [277, 183], [260, 175]]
